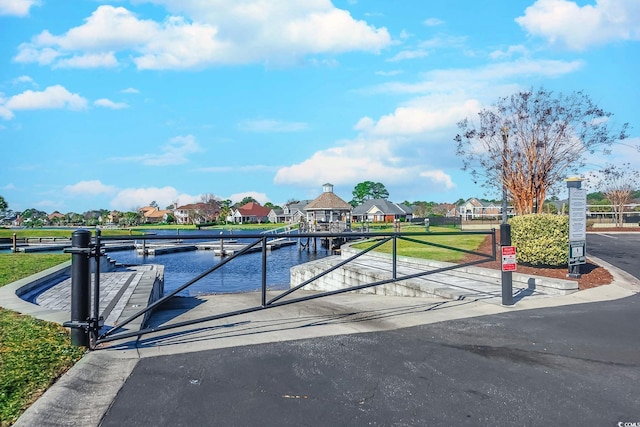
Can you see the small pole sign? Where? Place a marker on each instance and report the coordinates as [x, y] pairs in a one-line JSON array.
[[509, 258]]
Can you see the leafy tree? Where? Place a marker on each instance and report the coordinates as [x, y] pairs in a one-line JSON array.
[[3, 204], [225, 210], [529, 141], [618, 184], [129, 219], [368, 190], [246, 200], [154, 204], [379, 191]]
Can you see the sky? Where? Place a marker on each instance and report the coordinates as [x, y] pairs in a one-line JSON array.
[[115, 104]]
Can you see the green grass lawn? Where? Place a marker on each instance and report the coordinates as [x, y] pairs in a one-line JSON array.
[[33, 353], [53, 232], [425, 251]]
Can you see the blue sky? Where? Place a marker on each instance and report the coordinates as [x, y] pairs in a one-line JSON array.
[[115, 104]]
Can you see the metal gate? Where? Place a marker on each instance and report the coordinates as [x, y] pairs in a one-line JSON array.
[[86, 324]]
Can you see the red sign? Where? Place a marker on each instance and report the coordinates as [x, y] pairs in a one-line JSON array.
[[508, 258]]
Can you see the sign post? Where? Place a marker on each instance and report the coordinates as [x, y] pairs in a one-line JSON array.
[[577, 226]]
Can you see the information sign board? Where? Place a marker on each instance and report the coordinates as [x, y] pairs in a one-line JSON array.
[[508, 258], [577, 214], [577, 252]]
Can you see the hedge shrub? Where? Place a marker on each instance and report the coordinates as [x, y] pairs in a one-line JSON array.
[[541, 239]]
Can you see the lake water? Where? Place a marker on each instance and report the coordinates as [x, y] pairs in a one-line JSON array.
[[240, 275]]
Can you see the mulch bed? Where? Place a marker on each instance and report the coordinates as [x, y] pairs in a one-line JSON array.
[[592, 275]]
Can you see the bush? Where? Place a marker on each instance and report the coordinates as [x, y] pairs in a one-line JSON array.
[[541, 239]]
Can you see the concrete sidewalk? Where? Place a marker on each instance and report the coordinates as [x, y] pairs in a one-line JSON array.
[[85, 393]]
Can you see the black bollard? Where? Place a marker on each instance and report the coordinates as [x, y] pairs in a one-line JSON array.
[[80, 286], [507, 280]]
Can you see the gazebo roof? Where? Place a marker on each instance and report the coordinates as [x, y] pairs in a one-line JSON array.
[[328, 200]]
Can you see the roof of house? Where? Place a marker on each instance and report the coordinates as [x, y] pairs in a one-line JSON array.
[[298, 205], [385, 206], [155, 213], [254, 209], [479, 203], [328, 200]]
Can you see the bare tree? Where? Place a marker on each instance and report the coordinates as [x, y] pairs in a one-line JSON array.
[[618, 184], [209, 209], [531, 140]]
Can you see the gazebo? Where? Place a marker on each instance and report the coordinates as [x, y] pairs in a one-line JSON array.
[[327, 208]]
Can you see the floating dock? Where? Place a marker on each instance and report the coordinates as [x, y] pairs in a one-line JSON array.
[[225, 249]]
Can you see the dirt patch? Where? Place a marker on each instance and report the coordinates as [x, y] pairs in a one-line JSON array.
[[592, 275]]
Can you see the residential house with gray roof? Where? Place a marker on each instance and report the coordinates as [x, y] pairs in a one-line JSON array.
[[381, 210]]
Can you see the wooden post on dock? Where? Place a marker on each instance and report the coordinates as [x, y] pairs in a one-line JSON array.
[[14, 243]]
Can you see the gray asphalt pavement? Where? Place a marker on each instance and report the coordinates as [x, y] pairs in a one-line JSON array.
[[575, 365], [569, 365], [620, 250]]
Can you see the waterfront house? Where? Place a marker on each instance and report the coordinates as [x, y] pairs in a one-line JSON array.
[[478, 209], [251, 212], [291, 213], [197, 213], [381, 210], [153, 215]]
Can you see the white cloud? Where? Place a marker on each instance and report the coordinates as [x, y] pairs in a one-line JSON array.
[[266, 125], [133, 198], [5, 113], [89, 188], [95, 60], [17, 7], [452, 80], [205, 34], [175, 152], [626, 151], [107, 103], [9, 186], [425, 115], [439, 177], [577, 27], [24, 80], [53, 97], [349, 163], [130, 90], [511, 51], [443, 41], [408, 54], [388, 73], [433, 22]]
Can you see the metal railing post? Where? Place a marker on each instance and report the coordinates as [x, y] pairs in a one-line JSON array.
[[80, 286], [394, 256], [96, 320]]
